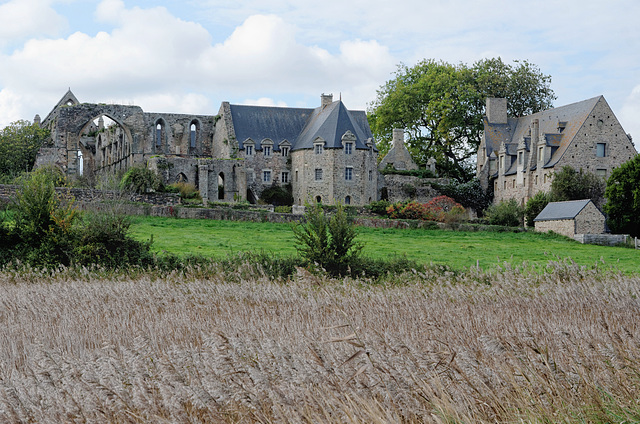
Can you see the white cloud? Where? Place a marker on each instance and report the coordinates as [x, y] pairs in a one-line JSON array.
[[28, 18], [264, 101], [630, 113]]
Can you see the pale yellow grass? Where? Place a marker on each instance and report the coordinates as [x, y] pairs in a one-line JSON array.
[[507, 347]]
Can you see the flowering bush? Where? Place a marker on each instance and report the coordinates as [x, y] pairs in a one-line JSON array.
[[441, 209]]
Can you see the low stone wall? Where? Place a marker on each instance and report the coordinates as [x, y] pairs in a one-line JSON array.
[[85, 195], [601, 239]]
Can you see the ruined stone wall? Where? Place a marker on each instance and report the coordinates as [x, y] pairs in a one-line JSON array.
[[82, 195], [405, 187]]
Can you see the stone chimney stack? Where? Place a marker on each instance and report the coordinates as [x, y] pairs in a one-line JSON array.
[[535, 131], [496, 111], [398, 138], [37, 120], [326, 100]]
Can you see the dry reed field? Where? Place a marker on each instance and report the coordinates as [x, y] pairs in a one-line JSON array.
[[509, 346]]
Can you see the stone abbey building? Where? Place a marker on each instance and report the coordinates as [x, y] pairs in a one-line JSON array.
[[518, 156], [327, 153]]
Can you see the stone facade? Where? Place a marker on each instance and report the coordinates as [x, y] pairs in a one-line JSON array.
[[333, 174], [519, 156], [398, 156], [571, 218], [231, 156]]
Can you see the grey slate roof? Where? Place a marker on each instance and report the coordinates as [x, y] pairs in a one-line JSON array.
[[299, 126], [275, 123], [330, 123], [562, 210], [573, 115]]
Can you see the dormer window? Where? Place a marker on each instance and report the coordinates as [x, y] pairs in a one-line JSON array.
[[561, 126], [249, 147], [284, 151], [318, 149], [348, 148], [267, 147]]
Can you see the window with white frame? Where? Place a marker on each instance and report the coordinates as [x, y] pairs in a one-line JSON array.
[[284, 150], [267, 151], [284, 177], [266, 175], [248, 149], [318, 174], [348, 173], [348, 148], [318, 149]]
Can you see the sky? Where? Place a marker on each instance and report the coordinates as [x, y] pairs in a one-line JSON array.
[[187, 56]]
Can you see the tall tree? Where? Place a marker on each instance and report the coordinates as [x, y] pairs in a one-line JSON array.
[[623, 198], [441, 106], [19, 145]]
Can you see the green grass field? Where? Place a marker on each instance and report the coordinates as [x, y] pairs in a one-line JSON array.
[[455, 249]]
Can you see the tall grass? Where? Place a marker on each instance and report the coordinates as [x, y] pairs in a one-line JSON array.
[[430, 346]]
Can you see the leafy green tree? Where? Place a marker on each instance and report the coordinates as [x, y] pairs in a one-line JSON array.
[[623, 198], [569, 184], [441, 107], [535, 205], [19, 145], [328, 242]]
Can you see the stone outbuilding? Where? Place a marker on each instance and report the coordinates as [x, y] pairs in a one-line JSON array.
[[571, 218]]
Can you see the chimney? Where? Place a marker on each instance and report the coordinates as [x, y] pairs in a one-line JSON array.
[[37, 120], [398, 138], [496, 111], [326, 100], [535, 131]]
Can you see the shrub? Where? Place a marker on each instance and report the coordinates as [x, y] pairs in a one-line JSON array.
[[140, 179], [535, 205], [43, 232], [277, 195], [379, 208], [469, 194], [508, 213], [104, 240], [185, 190], [282, 209], [330, 243]]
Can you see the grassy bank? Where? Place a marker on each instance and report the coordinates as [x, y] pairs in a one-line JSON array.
[[456, 249], [442, 347]]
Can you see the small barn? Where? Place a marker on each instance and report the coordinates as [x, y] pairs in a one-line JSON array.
[[571, 218]]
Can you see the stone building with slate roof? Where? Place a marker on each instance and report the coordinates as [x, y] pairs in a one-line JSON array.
[[518, 156], [326, 153], [571, 218]]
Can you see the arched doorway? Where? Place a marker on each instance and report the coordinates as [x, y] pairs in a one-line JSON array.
[[221, 186]]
